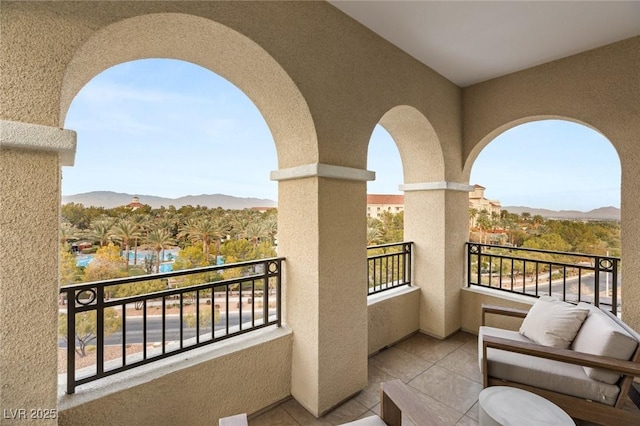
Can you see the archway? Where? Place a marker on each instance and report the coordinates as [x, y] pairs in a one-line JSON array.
[[552, 185], [215, 47]]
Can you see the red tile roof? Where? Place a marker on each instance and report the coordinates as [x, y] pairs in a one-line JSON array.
[[385, 199]]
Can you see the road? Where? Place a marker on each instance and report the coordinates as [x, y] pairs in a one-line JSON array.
[[586, 287], [154, 329]]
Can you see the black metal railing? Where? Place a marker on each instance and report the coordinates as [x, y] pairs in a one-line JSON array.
[[166, 314], [389, 266], [574, 277]]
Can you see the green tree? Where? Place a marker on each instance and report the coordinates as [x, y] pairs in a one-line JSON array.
[[101, 231], [204, 230], [87, 326], [107, 264], [484, 223], [159, 240], [374, 231], [125, 231], [69, 273]]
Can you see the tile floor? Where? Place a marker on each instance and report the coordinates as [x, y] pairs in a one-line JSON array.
[[442, 372]]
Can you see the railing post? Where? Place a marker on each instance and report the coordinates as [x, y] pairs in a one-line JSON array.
[[596, 281], [278, 294], [614, 290], [100, 329], [408, 262], [71, 342]]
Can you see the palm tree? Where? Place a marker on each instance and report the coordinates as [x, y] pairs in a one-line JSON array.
[[205, 230], [68, 232], [101, 231], [125, 231], [253, 232], [158, 240], [374, 233], [473, 212], [143, 222]]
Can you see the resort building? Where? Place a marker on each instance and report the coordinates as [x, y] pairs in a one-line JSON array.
[[135, 204], [479, 202], [378, 203], [323, 75]]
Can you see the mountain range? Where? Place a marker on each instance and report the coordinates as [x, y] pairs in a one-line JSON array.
[[109, 199], [602, 213]]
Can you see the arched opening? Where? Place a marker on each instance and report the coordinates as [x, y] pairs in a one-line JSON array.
[[548, 186], [215, 47], [240, 61], [171, 174], [385, 203]]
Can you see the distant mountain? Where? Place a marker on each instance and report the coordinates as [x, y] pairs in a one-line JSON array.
[[108, 199], [603, 213]]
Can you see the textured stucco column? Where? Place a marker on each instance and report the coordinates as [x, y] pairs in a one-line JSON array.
[[322, 234], [30, 158], [436, 220], [630, 233]]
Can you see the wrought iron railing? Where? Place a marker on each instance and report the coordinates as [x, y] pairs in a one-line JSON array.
[[166, 314], [574, 277], [389, 266]]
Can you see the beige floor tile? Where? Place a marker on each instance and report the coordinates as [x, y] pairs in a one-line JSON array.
[[471, 346], [453, 390], [274, 417], [467, 421], [463, 363], [347, 412], [370, 395], [473, 412], [399, 364], [299, 413], [428, 348]]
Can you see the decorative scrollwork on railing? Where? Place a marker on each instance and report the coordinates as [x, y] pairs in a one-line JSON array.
[[605, 265], [85, 302], [474, 248], [273, 267]]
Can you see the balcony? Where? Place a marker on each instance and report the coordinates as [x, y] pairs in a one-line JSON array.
[[322, 81]]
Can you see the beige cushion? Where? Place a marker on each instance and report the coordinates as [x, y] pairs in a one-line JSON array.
[[600, 335], [552, 322], [556, 376]]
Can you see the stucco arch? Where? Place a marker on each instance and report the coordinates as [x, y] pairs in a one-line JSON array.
[[213, 46], [487, 139], [418, 144]]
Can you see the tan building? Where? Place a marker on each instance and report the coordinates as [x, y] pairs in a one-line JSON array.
[[479, 202], [378, 203], [322, 81]]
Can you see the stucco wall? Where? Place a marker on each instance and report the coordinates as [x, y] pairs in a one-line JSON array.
[[472, 299], [393, 315], [243, 376], [29, 216]]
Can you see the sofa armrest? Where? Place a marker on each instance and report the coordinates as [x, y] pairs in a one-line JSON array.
[[397, 401], [502, 310], [628, 368]]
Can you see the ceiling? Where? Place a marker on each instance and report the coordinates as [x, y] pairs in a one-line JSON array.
[[473, 41]]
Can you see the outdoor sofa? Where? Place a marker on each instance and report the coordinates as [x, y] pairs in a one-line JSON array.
[[580, 357]]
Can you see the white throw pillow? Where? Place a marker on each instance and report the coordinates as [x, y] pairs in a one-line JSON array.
[[600, 335], [552, 322]]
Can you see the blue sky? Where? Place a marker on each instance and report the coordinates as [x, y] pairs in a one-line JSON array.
[[170, 128]]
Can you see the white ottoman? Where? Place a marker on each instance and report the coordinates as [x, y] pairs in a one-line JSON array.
[[507, 406]]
